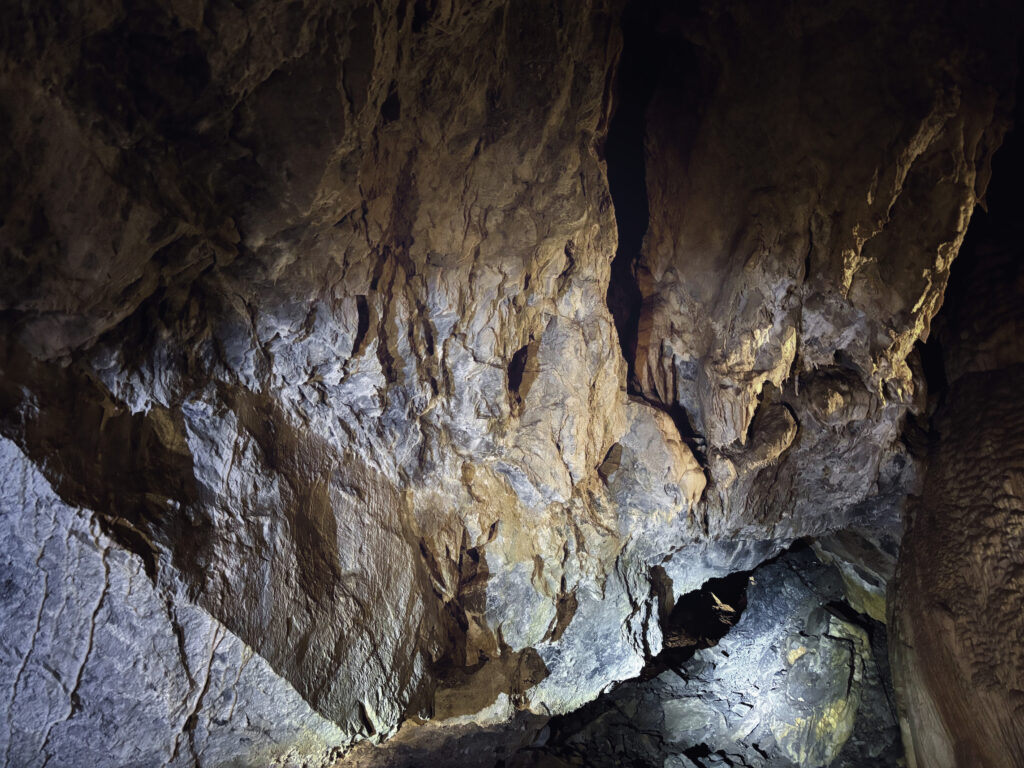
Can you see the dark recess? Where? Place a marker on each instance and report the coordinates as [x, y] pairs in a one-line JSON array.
[[649, 60], [516, 367], [635, 83], [391, 109], [423, 11], [699, 619], [363, 310]]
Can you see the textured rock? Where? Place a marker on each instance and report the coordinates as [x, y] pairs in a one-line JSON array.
[[104, 669], [343, 227], [959, 663], [306, 306], [801, 234], [867, 561], [957, 658], [792, 684]]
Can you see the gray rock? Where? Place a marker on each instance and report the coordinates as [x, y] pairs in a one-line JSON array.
[[792, 684], [104, 668], [305, 306]]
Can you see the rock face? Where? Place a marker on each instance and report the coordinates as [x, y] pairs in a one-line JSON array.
[[321, 347], [88, 637], [800, 680], [957, 622], [793, 684], [801, 234]]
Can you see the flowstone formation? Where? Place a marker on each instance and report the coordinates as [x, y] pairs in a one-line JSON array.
[[391, 371]]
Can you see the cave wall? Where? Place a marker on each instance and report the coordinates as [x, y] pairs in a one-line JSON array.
[[310, 423], [102, 667], [305, 311], [956, 617], [804, 218]]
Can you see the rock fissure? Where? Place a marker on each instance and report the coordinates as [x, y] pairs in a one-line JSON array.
[[636, 78]]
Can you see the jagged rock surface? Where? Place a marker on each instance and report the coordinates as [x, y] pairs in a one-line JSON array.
[[801, 680], [793, 684], [331, 231], [801, 233], [101, 667], [957, 622], [307, 305]]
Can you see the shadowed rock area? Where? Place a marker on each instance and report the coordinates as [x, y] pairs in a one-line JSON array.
[[510, 383]]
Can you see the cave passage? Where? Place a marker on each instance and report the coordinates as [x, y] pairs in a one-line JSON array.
[[748, 659]]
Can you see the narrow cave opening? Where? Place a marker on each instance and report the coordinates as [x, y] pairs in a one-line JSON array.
[[699, 619], [645, 65], [723, 692], [635, 83], [516, 367], [696, 619]]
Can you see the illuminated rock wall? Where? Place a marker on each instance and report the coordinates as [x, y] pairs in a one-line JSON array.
[[313, 312]]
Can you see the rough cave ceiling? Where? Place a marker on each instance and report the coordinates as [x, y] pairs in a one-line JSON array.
[[529, 383]]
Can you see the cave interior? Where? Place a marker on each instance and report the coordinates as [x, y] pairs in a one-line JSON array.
[[512, 383]]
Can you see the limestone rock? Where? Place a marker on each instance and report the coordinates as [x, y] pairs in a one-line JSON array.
[[867, 561], [792, 684], [307, 308], [103, 668], [799, 244], [956, 621]]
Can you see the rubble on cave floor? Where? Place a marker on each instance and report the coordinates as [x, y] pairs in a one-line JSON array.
[[801, 680]]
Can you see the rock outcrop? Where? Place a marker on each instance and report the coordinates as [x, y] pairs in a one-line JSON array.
[[793, 684], [102, 667], [957, 620], [800, 680], [801, 234], [321, 349]]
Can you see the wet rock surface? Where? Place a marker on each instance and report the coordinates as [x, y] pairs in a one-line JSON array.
[[427, 353]]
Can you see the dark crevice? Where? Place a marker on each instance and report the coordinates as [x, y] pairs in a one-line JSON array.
[[699, 619], [645, 61], [635, 84], [516, 366], [521, 372], [691, 437], [698, 751], [423, 11], [612, 461], [565, 611], [362, 325], [366, 721], [933, 366], [391, 109]]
